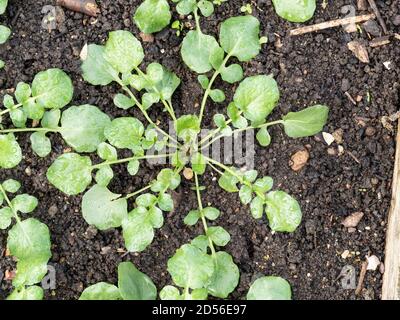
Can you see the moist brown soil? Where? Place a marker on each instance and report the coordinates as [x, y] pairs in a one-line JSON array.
[[313, 68]]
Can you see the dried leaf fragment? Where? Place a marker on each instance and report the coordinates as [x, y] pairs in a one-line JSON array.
[[359, 51], [299, 160], [353, 220]]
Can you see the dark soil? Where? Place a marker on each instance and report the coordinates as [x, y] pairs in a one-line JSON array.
[[313, 68]]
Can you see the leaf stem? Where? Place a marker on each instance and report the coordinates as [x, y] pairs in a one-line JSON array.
[[130, 195], [30, 130], [208, 90], [167, 107], [203, 218], [268, 124], [146, 115], [197, 20], [108, 163]]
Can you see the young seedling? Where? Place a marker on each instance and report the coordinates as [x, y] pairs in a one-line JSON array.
[[154, 15], [295, 11], [246, 8], [199, 268], [28, 241], [5, 32], [132, 285]]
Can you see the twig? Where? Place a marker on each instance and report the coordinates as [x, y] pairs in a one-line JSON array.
[[88, 7], [350, 98], [14, 20], [378, 15], [361, 278], [331, 24], [354, 157], [381, 41]]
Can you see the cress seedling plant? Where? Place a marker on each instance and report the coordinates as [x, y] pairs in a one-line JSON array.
[[199, 268], [5, 32]]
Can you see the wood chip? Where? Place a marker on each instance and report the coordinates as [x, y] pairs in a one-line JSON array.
[[329, 139], [381, 41], [373, 263], [338, 135], [147, 37], [359, 51], [88, 7], [353, 220], [360, 284], [299, 160], [331, 24], [362, 5], [188, 173]]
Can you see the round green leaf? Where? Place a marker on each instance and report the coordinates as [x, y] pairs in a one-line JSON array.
[[124, 132], [198, 163], [295, 11], [133, 284], [257, 96], [263, 185], [101, 291], [10, 152], [232, 74], [107, 152], [83, 127], [165, 202], [191, 267], [307, 122], [22, 92], [18, 118], [219, 236], [52, 88], [33, 110], [239, 36], [133, 167], [28, 294], [257, 207], [5, 217], [11, 185], [226, 276], [192, 217], [270, 288], [70, 173], [206, 7], [197, 49], [4, 34], [51, 118], [29, 241], [217, 95], [95, 69], [123, 51], [24, 203], [263, 137], [41, 144], [123, 102], [104, 176], [170, 293], [137, 230], [103, 209], [283, 211], [245, 194], [3, 6], [187, 127], [211, 213], [152, 16]]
